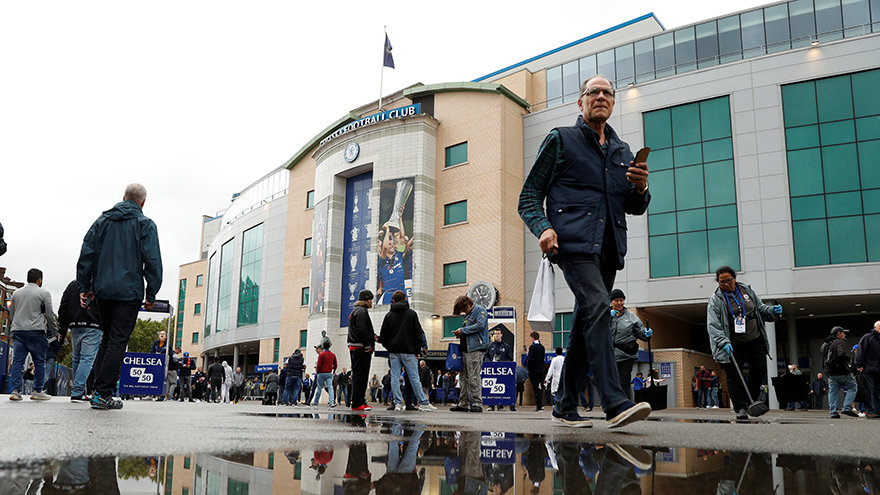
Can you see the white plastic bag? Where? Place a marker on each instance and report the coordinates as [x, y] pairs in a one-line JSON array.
[[542, 310]]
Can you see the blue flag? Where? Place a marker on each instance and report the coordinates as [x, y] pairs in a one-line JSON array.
[[389, 60]]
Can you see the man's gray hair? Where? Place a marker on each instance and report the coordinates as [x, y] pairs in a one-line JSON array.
[[584, 84], [136, 193]]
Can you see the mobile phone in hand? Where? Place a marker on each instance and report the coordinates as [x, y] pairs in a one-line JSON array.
[[641, 155]]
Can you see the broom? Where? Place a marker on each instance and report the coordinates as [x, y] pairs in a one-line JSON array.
[[755, 408]]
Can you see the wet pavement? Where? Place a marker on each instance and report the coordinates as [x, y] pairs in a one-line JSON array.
[[403, 454]]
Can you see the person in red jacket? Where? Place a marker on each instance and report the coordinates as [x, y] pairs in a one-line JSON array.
[[325, 369]]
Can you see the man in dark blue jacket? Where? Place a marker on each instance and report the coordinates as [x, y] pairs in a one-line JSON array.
[[590, 181], [535, 365], [120, 250]]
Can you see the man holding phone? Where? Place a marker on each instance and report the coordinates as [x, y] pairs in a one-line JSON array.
[[590, 181]]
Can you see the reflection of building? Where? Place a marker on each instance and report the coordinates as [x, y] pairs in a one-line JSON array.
[[763, 125]]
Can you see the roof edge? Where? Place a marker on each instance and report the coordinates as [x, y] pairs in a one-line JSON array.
[[309, 146], [466, 86]]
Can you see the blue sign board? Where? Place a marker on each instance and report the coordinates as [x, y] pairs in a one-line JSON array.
[[356, 245], [142, 374], [499, 383], [265, 368], [497, 448], [665, 371], [501, 313]]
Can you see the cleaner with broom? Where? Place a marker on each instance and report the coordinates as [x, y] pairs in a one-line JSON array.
[[735, 323]]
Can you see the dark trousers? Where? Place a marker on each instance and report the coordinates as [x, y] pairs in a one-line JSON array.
[[752, 353], [360, 375], [538, 386], [624, 374], [186, 387], [590, 278], [520, 390], [216, 385], [117, 320]]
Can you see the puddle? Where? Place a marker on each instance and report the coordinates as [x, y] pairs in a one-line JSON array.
[[425, 460]]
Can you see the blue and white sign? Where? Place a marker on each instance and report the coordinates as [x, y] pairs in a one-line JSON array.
[[142, 374], [357, 242], [351, 152], [395, 113], [497, 448], [265, 368], [501, 313], [499, 383], [665, 371]]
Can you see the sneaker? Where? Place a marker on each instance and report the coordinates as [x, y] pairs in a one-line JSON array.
[[332, 406], [15, 395], [399, 407], [835, 416], [459, 409], [491, 408], [850, 413], [742, 415], [572, 419], [628, 413], [40, 396], [362, 407], [513, 408], [639, 458], [427, 407], [714, 407], [79, 398], [104, 403], [410, 407]]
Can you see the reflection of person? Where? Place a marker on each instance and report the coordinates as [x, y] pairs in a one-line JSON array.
[[395, 262], [400, 469]]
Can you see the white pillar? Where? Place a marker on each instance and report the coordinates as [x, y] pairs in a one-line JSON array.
[[772, 371], [778, 475], [791, 326], [235, 356]]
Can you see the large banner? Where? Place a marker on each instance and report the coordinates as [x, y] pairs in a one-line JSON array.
[[356, 246], [319, 258], [394, 246], [142, 374], [499, 383]]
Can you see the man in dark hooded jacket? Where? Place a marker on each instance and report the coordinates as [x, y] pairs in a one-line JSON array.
[[403, 337], [361, 340], [293, 384], [85, 330], [836, 360]]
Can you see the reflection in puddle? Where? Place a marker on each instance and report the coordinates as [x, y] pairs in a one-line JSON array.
[[428, 461]]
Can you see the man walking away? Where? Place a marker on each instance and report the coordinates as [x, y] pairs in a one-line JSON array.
[[426, 377], [216, 375], [85, 332], [590, 181], [325, 370], [535, 366], [120, 250], [474, 339], [31, 328], [361, 339], [836, 360], [293, 385], [447, 386], [403, 337], [868, 364], [703, 378], [237, 385], [184, 372]]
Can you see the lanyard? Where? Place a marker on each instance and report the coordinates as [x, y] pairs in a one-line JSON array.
[[737, 298]]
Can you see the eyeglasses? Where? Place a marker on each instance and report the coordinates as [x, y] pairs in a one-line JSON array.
[[594, 92], [725, 281]]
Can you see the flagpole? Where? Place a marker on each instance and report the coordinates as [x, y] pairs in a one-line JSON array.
[[382, 73]]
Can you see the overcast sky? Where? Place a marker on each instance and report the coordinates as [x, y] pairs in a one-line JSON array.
[[196, 100]]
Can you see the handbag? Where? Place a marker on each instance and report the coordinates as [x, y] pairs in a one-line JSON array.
[[542, 309], [454, 361]]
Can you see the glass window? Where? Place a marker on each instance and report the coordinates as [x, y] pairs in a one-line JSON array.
[[570, 82], [842, 131], [719, 173], [195, 337], [455, 213], [856, 18], [662, 223], [805, 172], [776, 28], [200, 280], [249, 281], [685, 50], [834, 96], [624, 65], [662, 181], [303, 339], [802, 137], [605, 64], [554, 86], [689, 187], [307, 247], [846, 240], [799, 101], [455, 273], [276, 347], [210, 299], [451, 324], [187, 462], [644, 57], [866, 97], [271, 462], [664, 55], [686, 124], [587, 68], [713, 125], [310, 199], [869, 172], [752, 28], [729, 40], [829, 23], [693, 249], [658, 130], [875, 16], [707, 44], [197, 309], [808, 207], [844, 204], [304, 297], [224, 287], [842, 174], [723, 247], [664, 255], [457, 154], [803, 24], [561, 330]]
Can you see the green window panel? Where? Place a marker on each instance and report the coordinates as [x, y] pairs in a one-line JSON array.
[[691, 220], [799, 102], [663, 223], [802, 137], [872, 236], [197, 309], [303, 338], [451, 324], [664, 256], [224, 287], [310, 199], [840, 168], [808, 207], [562, 330], [455, 213], [457, 154], [689, 188], [304, 297], [804, 172], [721, 216], [664, 184], [693, 254], [871, 201], [715, 118], [843, 204], [868, 128], [195, 338], [846, 237], [724, 248], [684, 156], [658, 131], [720, 188], [686, 124], [455, 273], [869, 163], [236, 487], [719, 149], [275, 349], [810, 242], [660, 160], [837, 132], [200, 280], [250, 278], [834, 95], [186, 462], [307, 247], [866, 97]]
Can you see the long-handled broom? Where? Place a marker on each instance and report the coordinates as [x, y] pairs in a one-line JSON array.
[[755, 408]]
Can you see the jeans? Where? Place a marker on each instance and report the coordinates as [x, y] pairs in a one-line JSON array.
[[704, 396], [292, 387], [590, 278], [410, 364], [324, 380], [713, 397], [873, 382], [373, 392], [469, 379], [834, 384], [405, 462], [117, 319], [85, 348], [35, 343], [360, 375]]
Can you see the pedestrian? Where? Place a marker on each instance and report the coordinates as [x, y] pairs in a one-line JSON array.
[[522, 376], [200, 384], [868, 363], [375, 385], [33, 324], [499, 351], [638, 382], [325, 369], [386, 388], [535, 366], [343, 380], [735, 325], [119, 252], [227, 382], [554, 373], [160, 345], [216, 376], [446, 384], [28, 377], [626, 328], [361, 341], [426, 378], [589, 180], [818, 391], [171, 376], [307, 389], [474, 339], [184, 372], [85, 334], [703, 378], [237, 385], [402, 336], [714, 387], [271, 395], [295, 366], [836, 360]]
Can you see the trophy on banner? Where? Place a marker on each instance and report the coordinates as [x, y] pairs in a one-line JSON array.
[[352, 287], [404, 189]]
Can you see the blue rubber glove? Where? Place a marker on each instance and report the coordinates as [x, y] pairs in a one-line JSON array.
[[648, 333], [614, 313], [777, 309], [728, 348]]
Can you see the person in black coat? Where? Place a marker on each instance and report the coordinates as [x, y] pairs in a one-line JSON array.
[[85, 331], [216, 375], [535, 365], [361, 340]]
